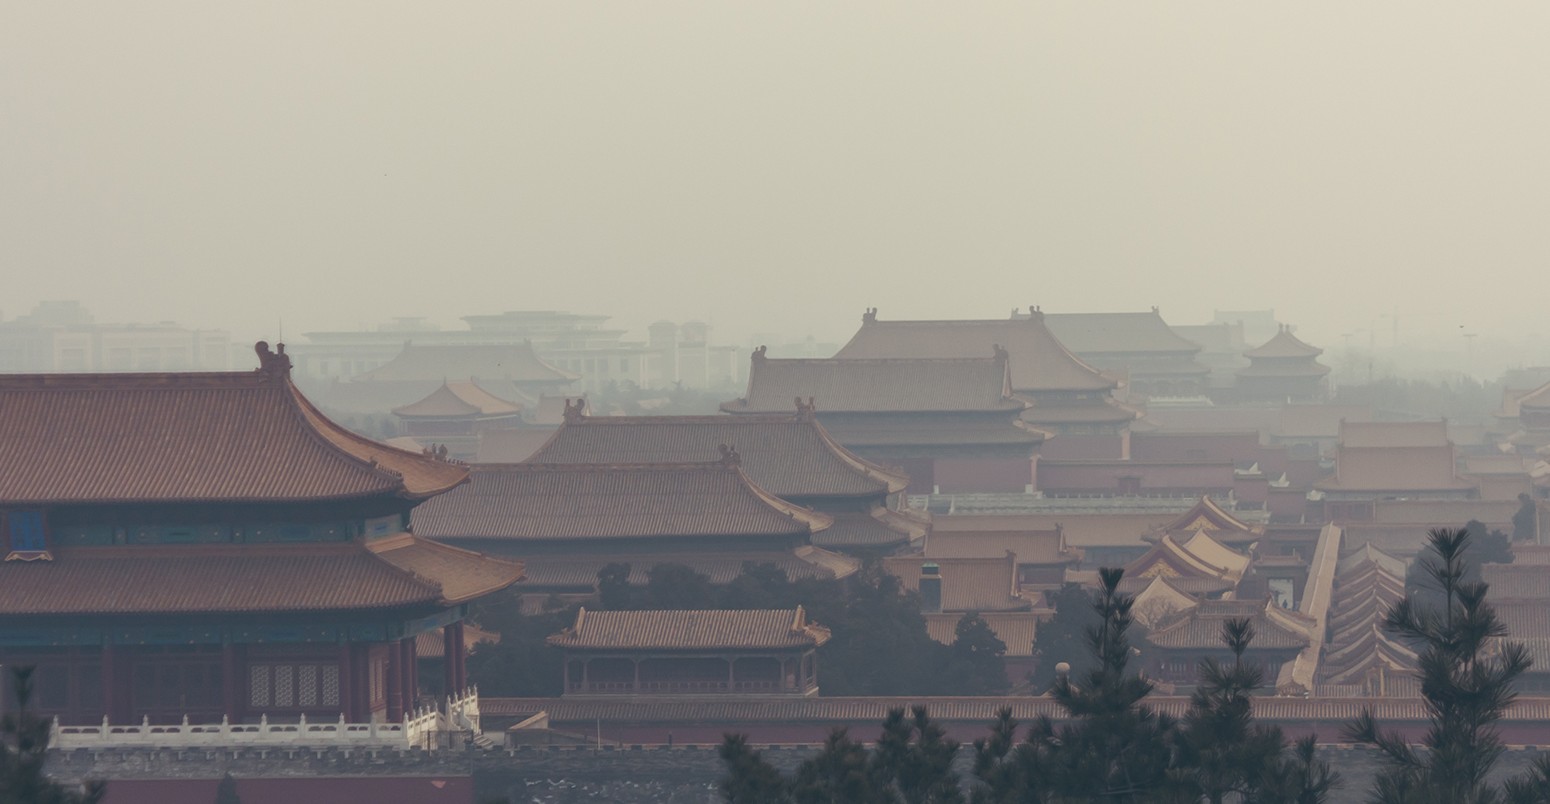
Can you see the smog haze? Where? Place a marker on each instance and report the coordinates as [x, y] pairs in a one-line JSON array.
[[777, 167]]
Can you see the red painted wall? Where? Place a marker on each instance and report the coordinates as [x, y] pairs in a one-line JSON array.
[[967, 475], [1084, 447], [343, 790], [1105, 477]]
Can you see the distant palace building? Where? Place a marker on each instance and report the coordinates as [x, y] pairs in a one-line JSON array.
[[952, 424], [208, 546], [1067, 397], [456, 416], [513, 373], [1155, 360], [789, 455], [691, 653], [1388, 461], [582, 345], [569, 521], [1283, 369]]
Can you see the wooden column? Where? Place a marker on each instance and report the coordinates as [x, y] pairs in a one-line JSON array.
[[460, 655], [231, 683], [411, 693], [347, 705], [731, 673], [448, 662], [395, 682]]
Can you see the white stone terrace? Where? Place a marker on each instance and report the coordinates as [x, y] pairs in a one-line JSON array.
[[428, 727]]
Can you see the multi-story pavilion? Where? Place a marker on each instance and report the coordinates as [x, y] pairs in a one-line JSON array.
[[560, 509], [456, 416], [790, 455], [209, 546], [1283, 369], [951, 424], [1156, 361], [1066, 396]]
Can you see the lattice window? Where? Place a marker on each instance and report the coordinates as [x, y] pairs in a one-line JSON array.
[[258, 685], [330, 675], [284, 689], [306, 685]]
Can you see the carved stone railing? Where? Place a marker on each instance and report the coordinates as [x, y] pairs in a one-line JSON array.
[[421, 728]]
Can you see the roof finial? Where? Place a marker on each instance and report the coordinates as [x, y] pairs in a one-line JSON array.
[[805, 411], [1034, 313], [870, 316], [759, 353], [575, 412], [1154, 308], [998, 351], [272, 363], [729, 456]]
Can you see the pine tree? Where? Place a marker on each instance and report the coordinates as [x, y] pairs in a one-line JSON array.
[[750, 779], [976, 661], [1467, 678], [914, 760], [1114, 749], [1059, 639], [24, 749], [1222, 753]]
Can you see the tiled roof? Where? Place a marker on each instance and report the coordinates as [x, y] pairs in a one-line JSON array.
[[511, 444], [1445, 513], [1213, 552], [1180, 561], [196, 579], [892, 385], [1195, 585], [1318, 421], [583, 501], [1208, 516], [455, 399], [941, 429], [1201, 627], [1159, 599], [186, 437], [788, 455], [692, 630], [1353, 561], [990, 536], [1517, 582], [1283, 345], [1081, 530], [440, 362], [968, 584], [1038, 361], [1015, 629], [1127, 333], [1537, 398], [1395, 469], [461, 574], [580, 572], [1051, 412], [879, 527], [1432, 433]]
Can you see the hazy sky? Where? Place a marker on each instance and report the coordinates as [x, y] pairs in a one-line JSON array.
[[777, 166]]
